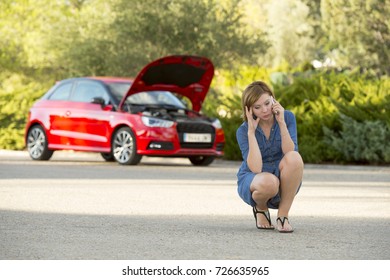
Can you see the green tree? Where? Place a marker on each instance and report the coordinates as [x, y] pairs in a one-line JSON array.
[[27, 28], [358, 32], [291, 33], [132, 33]]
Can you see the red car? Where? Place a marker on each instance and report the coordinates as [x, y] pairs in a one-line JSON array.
[[125, 119]]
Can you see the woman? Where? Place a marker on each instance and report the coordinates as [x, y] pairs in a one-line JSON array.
[[272, 169]]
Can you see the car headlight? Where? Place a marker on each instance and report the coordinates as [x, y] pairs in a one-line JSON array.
[[154, 122], [217, 124]]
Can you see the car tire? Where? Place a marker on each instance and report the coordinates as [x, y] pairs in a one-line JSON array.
[[107, 156], [37, 144], [201, 160], [124, 147]]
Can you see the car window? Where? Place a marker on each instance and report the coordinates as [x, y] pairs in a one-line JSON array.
[[85, 91], [62, 92]]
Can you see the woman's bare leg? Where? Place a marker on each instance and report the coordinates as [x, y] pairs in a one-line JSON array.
[[264, 186], [291, 173]]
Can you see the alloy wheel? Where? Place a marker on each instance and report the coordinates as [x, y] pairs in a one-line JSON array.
[[37, 144], [124, 147]]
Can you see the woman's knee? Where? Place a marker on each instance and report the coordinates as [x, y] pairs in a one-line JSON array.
[[292, 159], [265, 183]]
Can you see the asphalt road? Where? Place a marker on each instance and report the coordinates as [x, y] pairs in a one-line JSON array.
[[76, 206]]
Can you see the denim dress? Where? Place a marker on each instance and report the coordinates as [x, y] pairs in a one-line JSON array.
[[272, 154]]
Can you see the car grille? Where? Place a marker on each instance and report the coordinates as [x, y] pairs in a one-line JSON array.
[[195, 127]]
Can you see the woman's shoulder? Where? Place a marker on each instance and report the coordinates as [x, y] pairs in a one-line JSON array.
[[288, 114], [244, 125], [243, 128]]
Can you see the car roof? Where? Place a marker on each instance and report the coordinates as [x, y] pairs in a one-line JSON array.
[[109, 79], [104, 79]]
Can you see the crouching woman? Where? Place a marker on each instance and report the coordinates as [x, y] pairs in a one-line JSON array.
[[271, 171]]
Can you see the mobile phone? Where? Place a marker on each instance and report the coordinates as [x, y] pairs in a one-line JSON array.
[[273, 102], [254, 117]]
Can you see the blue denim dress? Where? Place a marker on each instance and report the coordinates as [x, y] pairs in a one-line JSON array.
[[272, 154]]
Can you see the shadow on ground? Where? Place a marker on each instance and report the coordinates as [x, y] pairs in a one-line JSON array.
[[30, 235]]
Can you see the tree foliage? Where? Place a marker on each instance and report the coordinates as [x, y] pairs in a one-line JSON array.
[[289, 28], [359, 33], [117, 37], [132, 33]]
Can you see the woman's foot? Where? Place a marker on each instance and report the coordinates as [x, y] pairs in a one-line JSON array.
[[263, 221], [283, 225]]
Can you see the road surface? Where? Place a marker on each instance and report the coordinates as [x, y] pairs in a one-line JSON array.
[[78, 207]]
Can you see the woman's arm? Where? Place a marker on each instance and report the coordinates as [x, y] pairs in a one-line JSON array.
[[288, 144], [254, 159]]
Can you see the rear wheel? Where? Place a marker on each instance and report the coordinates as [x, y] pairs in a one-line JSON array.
[[124, 147], [37, 144], [201, 160]]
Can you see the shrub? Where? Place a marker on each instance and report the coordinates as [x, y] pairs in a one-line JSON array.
[[318, 100], [17, 94], [361, 142]]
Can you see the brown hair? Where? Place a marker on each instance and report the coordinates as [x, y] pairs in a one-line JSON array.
[[252, 93]]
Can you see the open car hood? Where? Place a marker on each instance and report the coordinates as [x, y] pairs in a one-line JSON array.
[[186, 75]]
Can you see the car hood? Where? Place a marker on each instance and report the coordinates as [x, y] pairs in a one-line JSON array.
[[186, 75]]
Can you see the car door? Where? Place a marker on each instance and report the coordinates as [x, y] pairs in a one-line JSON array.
[[89, 129], [54, 110]]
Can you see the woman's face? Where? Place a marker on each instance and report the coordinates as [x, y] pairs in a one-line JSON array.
[[262, 108]]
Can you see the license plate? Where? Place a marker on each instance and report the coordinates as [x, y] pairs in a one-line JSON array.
[[197, 137]]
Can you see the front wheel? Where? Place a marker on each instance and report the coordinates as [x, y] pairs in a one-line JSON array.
[[124, 147], [201, 160], [107, 156], [37, 144]]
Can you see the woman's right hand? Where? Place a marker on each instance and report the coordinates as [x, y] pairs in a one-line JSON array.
[[252, 123]]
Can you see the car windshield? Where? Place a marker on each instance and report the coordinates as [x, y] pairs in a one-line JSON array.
[[119, 89], [155, 98]]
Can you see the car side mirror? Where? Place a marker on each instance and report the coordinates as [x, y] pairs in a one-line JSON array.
[[108, 108], [98, 100]]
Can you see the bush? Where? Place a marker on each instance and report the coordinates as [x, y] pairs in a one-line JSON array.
[[361, 142], [17, 94], [318, 100]]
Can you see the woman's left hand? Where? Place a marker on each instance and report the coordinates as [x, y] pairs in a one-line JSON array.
[[278, 111]]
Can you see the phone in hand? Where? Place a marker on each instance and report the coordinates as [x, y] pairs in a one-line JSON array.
[[273, 103], [254, 117]]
